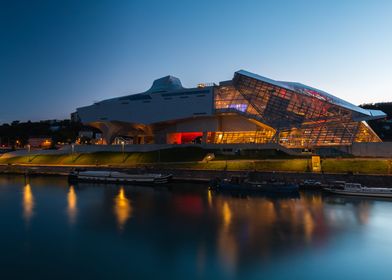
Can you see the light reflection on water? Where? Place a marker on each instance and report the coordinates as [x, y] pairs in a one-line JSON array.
[[72, 209], [122, 208], [28, 203], [187, 232]]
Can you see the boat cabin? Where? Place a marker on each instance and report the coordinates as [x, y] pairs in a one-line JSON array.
[[337, 184], [353, 186], [238, 179]]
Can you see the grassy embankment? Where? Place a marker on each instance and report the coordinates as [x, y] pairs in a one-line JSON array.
[[192, 158], [112, 158]]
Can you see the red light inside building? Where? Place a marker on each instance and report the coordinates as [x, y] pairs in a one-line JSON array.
[[184, 138], [190, 137]]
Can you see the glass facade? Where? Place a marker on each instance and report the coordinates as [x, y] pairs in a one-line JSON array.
[[243, 137], [294, 118]]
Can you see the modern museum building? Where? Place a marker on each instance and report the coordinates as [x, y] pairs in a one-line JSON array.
[[249, 109]]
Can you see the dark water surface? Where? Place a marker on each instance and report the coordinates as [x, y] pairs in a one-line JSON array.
[[50, 230]]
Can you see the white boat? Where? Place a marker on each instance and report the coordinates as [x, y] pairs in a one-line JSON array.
[[311, 184], [358, 190], [118, 177]]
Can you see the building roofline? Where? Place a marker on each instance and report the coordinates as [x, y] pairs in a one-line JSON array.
[[314, 92]]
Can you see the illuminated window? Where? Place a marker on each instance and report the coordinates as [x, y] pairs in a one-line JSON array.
[[303, 116]]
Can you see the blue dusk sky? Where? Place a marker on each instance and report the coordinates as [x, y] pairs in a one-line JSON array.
[[57, 55]]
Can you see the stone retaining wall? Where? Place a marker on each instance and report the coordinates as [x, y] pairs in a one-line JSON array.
[[206, 175]]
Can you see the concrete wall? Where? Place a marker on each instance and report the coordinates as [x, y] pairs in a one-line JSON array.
[[199, 124], [236, 123], [376, 149], [380, 149], [206, 175], [159, 108]]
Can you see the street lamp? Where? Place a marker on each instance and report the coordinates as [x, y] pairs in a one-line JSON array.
[[72, 151], [28, 151], [122, 150]]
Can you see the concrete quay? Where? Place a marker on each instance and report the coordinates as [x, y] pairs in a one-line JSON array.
[[204, 176]]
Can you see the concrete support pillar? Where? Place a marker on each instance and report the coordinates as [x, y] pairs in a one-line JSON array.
[[109, 130]]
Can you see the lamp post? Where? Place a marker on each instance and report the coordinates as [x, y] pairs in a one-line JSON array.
[[72, 151], [28, 152], [123, 150]]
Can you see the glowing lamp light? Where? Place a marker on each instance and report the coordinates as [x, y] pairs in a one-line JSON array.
[[122, 209]]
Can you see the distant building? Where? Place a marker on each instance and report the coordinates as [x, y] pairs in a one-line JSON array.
[[86, 134], [75, 117], [54, 128], [89, 137], [42, 142], [247, 109]]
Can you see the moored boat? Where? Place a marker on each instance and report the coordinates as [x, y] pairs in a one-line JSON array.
[[242, 184], [310, 184], [118, 177], [356, 189]]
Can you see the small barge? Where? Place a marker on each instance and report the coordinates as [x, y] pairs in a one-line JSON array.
[[115, 177], [242, 184], [356, 189]]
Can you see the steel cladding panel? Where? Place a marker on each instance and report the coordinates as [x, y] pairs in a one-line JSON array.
[[160, 108]]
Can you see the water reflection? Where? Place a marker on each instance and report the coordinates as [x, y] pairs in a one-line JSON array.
[[361, 205], [212, 235], [227, 246], [122, 209], [209, 196], [28, 203], [72, 209], [259, 228], [226, 213]]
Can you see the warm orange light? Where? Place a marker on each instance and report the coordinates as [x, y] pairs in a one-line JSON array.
[[226, 215], [227, 244], [28, 203], [72, 207], [209, 197], [122, 209], [235, 137]]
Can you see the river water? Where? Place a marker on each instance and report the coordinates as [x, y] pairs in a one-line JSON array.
[[50, 230]]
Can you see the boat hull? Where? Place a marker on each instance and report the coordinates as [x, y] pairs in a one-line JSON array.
[[139, 180], [366, 194], [311, 187], [258, 188]]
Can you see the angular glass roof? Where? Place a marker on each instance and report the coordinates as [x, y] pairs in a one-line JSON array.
[[313, 92]]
